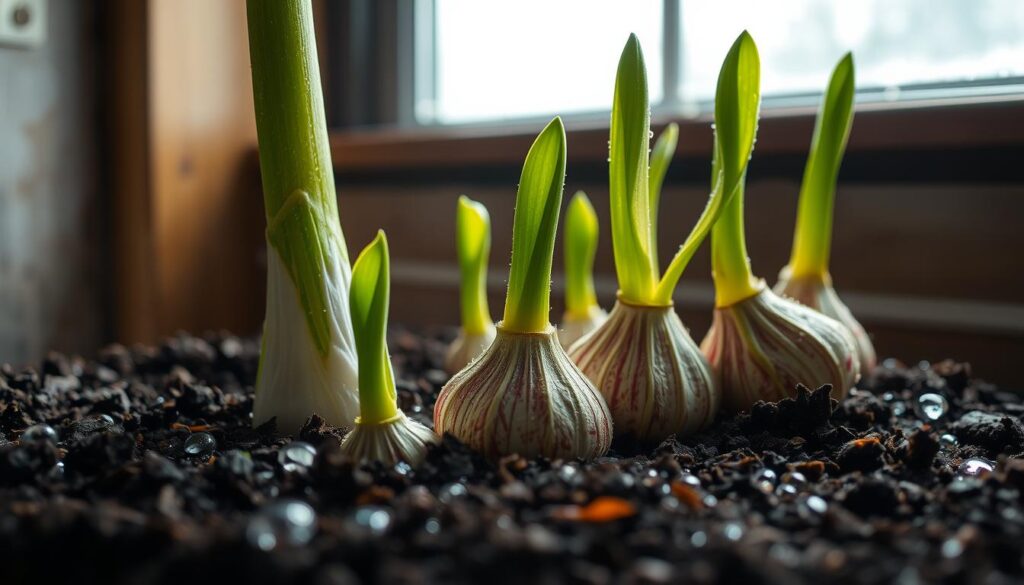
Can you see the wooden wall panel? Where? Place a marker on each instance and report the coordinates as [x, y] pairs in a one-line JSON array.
[[941, 250]]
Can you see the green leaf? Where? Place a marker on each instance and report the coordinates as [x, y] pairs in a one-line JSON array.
[[473, 246], [533, 232], [368, 301], [661, 156], [632, 236], [581, 231], [813, 240], [737, 105]]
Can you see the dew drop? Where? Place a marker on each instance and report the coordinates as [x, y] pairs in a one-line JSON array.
[[733, 531], [975, 467], [200, 444], [948, 441], [39, 433], [931, 406], [281, 523], [699, 539], [690, 479], [764, 480], [296, 456], [376, 518]]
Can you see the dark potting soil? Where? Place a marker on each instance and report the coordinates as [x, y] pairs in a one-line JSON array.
[[152, 474]]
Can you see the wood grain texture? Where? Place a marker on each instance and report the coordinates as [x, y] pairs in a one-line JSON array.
[[188, 210]]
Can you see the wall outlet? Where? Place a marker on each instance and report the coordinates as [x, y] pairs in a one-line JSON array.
[[22, 23]]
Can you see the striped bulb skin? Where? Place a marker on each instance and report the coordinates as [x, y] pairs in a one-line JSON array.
[[762, 347], [817, 293], [650, 372], [524, 395]]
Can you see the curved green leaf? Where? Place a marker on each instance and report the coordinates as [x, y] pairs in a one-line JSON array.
[[368, 301], [580, 240], [661, 157], [533, 232]]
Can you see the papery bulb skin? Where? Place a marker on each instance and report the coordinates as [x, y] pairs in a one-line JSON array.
[[397, 439], [574, 327], [817, 293], [762, 347], [651, 373], [466, 348], [295, 380], [524, 395]]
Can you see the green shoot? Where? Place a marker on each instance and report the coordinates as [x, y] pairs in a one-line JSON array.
[[473, 245], [369, 298], [632, 237], [533, 232], [661, 156], [813, 239], [581, 231], [295, 160], [735, 129], [635, 194]]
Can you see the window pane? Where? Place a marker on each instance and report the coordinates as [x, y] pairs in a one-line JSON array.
[[895, 42], [497, 60]]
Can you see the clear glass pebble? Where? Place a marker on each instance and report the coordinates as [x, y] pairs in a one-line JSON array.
[[282, 523], [690, 479], [733, 531], [931, 406], [764, 480], [296, 456], [200, 444], [38, 433], [975, 467], [948, 441], [375, 518]]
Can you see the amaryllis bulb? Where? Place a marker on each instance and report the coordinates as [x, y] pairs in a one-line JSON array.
[[650, 372], [466, 348], [524, 395], [396, 439], [573, 327], [761, 347], [817, 293]]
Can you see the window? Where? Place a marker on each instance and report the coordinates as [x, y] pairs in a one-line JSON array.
[[493, 60]]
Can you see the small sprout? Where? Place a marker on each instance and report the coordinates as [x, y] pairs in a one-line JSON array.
[[473, 245], [643, 359], [524, 395], [582, 313], [806, 278], [760, 345], [307, 358], [382, 432]]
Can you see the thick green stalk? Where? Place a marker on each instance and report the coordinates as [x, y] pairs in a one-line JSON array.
[[473, 245], [812, 241], [580, 241], [533, 232], [295, 163], [632, 237], [369, 298]]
